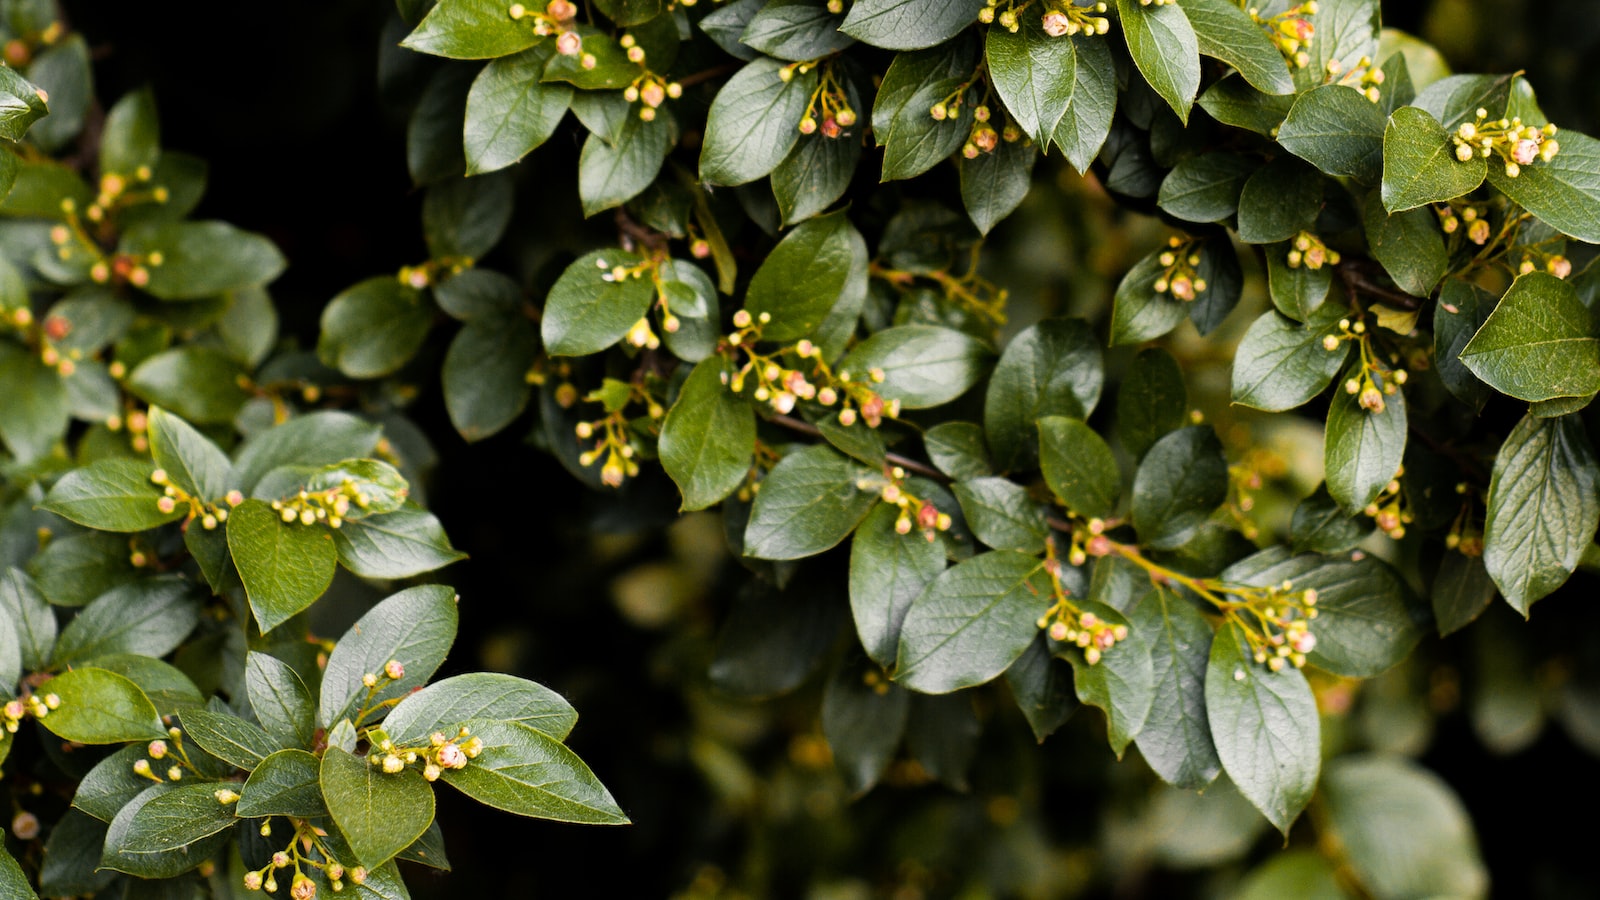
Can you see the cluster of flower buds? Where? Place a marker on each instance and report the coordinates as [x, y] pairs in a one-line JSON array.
[[34, 705], [1290, 31], [560, 19], [1389, 510], [1555, 264], [1466, 534], [1516, 144], [438, 754], [649, 89], [172, 756], [1277, 622], [306, 839], [209, 514], [1450, 222], [1375, 381], [1244, 480], [19, 51], [433, 271], [641, 335], [1306, 249], [1066, 622], [781, 387], [331, 506], [614, 444], [983, 138], [1181, 278], [915, 512], [1364, 77], [829, 108]]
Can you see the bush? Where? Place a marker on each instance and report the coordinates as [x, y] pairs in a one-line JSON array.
[[777, 299]]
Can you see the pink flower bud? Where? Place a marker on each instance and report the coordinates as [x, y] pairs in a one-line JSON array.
[[569, 43], [452, 757], [1525, 152], [394, 669], [1056, 24]]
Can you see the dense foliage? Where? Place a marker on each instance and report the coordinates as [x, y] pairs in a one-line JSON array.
[[797, 321]]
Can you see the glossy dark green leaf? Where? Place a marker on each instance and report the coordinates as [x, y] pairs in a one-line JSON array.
[[446, 704], [510, 112], [37, 414], [1542, 508], [1320, 525], [315, 439], [972, 622], [1404, 831], [1346, 32], [414, 627], [110, 495], [1265, 728], [285, 566], [1232, 101], [1225, 31], [1165, 49], [908, 24], [471, 29], [156, 864], [1176, 737], [433, 134], [484, 374], [692, 300], [808, 503], [1034, 73], [1079, 467], [611, 68], [379, 814], [281, 702], [923, 365], [1338, 130], [1564, 192], [590, 308], [12, 879], [190, 459], [197, 382], [815, 174], [176, 819], [708, 437], [101, 707], [1052, 368], [63, 72], [1121, 683], [1281, 364], [913, 141], [611, 174], [816, 268], [1179, 484], [1409, 244], [888, 571], [202, 259], [30, 617], [111, 784], [754, 122], [1001, 513], [1462, 309], [132, 134], [1279, 201], [1363, 449], [72, 856], [285, 783], [1420, 165], [725, 24], [1298, 291], [1538, 344], [150, 617], [1206, 188], [796, 30], [863, 718], [1042, 686], [1151, 402], [958, 449], [1365, 622], [229, 738], [1084, 126], [1462, 590], [1457, 98], [77, 568], [374, 327], [994, 184], [527, 772], [464, 218], [630, 12], [1140, 312]]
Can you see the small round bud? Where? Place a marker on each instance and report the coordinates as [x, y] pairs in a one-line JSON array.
[[157, 749], [369, 680], [394, 670]]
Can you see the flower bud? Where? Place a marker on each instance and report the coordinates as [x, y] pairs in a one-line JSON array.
[[394, 669]]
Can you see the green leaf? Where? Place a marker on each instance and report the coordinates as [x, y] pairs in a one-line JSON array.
[[1052, 368], [1042, 686], [923, 365], [285, 783], [1139, 312], [510, 112], [754, 122], [1365, 624], [1303, 874], [589, 308], [612, 70], [75, 569], [1363, 449], [1206, 188], [433, 135], [1457, 98], [1282, 199], [863, 719], [30, 618], [1179, 484], [809, 502], [414, 627], [972, 622], [150, 617], [611, 174], [200, 260], [1346, 31], [1420, 164], [471, 29], [176, 819], [157, 864], [814, 175], [22, 104], [101, 707], [1151, 402], [72, 855], [1402, 829], [958, 450], [708, 437], [1281, 364], [478, 294], [111, 784], [1320, 525], [379, 814], [526, 772], [1543, 508], [913, 141], [1165, 49], [1121, 683], [36, 414], [796, 30], [190, 459], [1084, 126], [888, 571], [285, 566], [110, 495], [400, 544], [1079, 467], [281, 702], [994, 184], [374, 327], [1564, 192], [446, 704], [1538, 344], [1462, 309], [1225, 31], [1462, 590], [817, 267], [693, 300], [908, 24], [1265, 728], [1338, 130], [197, 382], [726, 24], [315, 439], [12, 880], [229, 738], [464, 218], [484, 374], [1034, 74], [1000, 512], [1233, 102], [1409, 244], [1176, 737]]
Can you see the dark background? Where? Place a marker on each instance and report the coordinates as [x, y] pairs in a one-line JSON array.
[[282, 99]]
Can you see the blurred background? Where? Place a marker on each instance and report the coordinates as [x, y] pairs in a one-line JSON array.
[[738, 798]]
